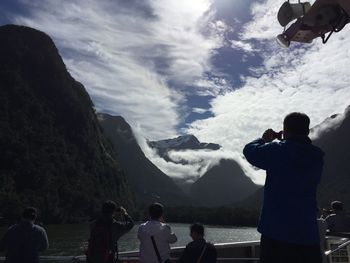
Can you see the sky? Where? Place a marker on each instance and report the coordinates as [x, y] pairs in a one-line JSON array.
[[211, 68]]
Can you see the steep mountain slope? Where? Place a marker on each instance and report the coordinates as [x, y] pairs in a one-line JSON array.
[[252, 202], [335, 142], [54, 155], [223, 184], [150, 183]]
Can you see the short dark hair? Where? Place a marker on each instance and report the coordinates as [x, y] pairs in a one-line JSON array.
[[337, 206], [29, 213], [155, 210], [109, 207], [297, 123], [197, 228]]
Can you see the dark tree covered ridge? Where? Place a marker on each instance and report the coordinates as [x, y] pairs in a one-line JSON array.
[[53, 153]]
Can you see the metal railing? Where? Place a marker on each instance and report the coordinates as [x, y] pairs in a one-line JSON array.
[[79, 259], [54, 259], [342, 245], [134, 258]]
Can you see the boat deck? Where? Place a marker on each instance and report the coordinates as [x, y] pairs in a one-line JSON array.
[[337, 249]]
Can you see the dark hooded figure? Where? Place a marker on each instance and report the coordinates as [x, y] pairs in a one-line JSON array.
[[199, 250]]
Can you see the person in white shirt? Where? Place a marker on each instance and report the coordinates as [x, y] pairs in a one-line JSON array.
[[162, 237]]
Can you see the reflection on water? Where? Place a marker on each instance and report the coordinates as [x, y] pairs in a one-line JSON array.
[[71, 240]]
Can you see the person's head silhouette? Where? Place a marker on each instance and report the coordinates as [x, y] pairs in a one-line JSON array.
[[197, 231], [29, 214], [296, 124], [155, 211]]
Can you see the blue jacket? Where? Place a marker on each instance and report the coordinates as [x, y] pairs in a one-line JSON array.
[[293, 171]]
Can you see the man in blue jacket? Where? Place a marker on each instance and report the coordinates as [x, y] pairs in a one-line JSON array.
[[288, 220]]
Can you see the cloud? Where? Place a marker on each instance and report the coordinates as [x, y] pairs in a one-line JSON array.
[[175, 170], [141, 60], [199, 110], [247, 47], [309, 78], [197, 162], [331, 123], [132, 56], [212, 86], [264, 25]]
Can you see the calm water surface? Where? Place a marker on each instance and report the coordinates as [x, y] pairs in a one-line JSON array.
[[71, 240]]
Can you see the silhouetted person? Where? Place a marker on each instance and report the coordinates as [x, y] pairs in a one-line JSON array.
[[105, 232], [155, 237], [288, 220], [339, 221], [198, 250], [24, 241]]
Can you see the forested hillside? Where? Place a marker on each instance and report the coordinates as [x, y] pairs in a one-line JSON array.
[[53, 153]]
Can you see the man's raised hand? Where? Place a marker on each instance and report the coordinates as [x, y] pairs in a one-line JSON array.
[[269, 135]]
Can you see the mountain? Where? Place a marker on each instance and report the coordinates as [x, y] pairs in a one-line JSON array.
[[149, 183], [185, 142], [53, 153], [252, 202], [334, 140], [223, 184]]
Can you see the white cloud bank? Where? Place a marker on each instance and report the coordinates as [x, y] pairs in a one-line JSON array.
[[127, 52], [197, 162], [127, 56], [313, 79]]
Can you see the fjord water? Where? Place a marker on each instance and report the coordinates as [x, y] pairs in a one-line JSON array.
[[71, 240]]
